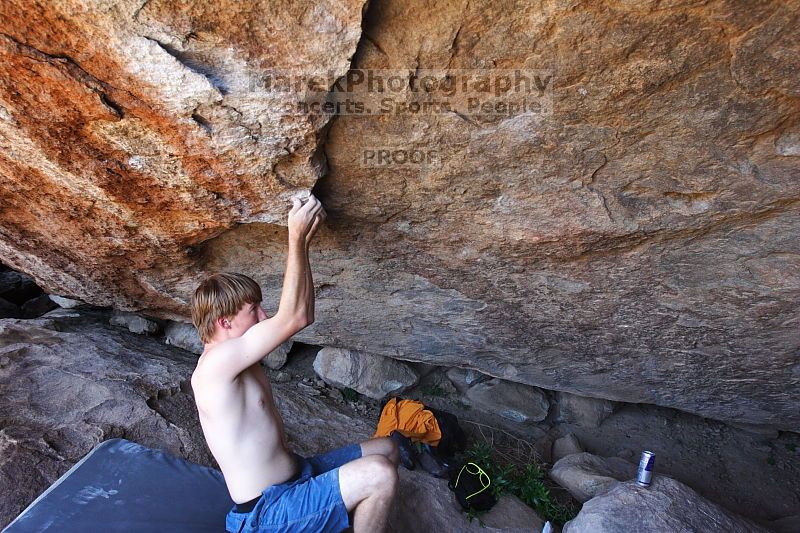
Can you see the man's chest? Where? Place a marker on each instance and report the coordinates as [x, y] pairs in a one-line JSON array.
[[256, 387], [251, 390]]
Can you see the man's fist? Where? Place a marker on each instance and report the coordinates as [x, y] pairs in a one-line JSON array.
[[304, 218]]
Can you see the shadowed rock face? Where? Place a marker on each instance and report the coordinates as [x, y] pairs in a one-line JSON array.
[[637, 244]]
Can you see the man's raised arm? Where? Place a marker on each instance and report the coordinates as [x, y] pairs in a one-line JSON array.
[[297, 295], [296, 307]]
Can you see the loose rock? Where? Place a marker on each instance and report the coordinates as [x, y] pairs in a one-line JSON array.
[[371, 375], [335, 394], [566, 445], [464, 378], [281, 377], [435, 383], [585, 475], [514, 401], [425, 504], [277, 357], [667, 505], [134, 323], [65, 303], [184, 336], [581, 410], [305, 388]]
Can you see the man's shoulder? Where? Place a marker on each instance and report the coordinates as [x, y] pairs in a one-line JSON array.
[[209, 358], [208, 371], [209, 387], [202, 371]]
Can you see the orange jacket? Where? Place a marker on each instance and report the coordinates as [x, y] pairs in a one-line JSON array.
[[412, 420]]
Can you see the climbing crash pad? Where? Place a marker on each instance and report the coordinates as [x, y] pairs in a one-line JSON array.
[[124, 486]]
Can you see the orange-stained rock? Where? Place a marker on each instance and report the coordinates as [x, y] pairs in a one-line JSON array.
[[131, 133]]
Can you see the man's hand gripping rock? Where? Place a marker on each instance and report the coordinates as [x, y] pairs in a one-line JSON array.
[[304, 219]]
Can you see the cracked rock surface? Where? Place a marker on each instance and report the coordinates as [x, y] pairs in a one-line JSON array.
[[70, 381], [140, 129], [638, 244]]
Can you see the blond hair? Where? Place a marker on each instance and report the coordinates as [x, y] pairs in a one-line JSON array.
[[221, 295]]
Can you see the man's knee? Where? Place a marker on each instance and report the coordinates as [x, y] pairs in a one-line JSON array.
[[394, 451], [380, 474], [381, 445], [370, 476], [383, 472]]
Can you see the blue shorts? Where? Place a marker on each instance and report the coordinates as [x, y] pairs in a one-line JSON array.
[[311, 501]]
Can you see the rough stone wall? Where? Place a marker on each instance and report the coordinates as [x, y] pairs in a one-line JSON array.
[[638, 244]]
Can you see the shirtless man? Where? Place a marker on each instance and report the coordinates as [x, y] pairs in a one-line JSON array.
[[275, 489]]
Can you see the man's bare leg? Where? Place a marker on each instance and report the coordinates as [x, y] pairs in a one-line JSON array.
[[368, 485], [381, 446]]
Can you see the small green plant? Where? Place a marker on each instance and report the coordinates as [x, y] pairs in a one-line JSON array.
[[479, 452], [526, 482], [791, 446], [349, 394], [436, 391], [771, 460]]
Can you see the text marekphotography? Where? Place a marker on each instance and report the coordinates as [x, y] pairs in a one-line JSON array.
[[475, 92]]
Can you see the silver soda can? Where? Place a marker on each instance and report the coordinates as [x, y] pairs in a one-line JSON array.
[[645, 473]]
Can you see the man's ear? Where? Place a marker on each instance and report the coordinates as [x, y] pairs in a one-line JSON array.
[[224, 323]]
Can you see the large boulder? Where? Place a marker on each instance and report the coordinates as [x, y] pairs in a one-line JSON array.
[[636, 244], [667, 505], [513, 401], [585, 475], [634, 239], [371, 375]]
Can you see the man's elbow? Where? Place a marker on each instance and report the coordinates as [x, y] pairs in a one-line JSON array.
[[303, 322]]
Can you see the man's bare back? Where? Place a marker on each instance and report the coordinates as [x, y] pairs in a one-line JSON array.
[[244, 432]]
